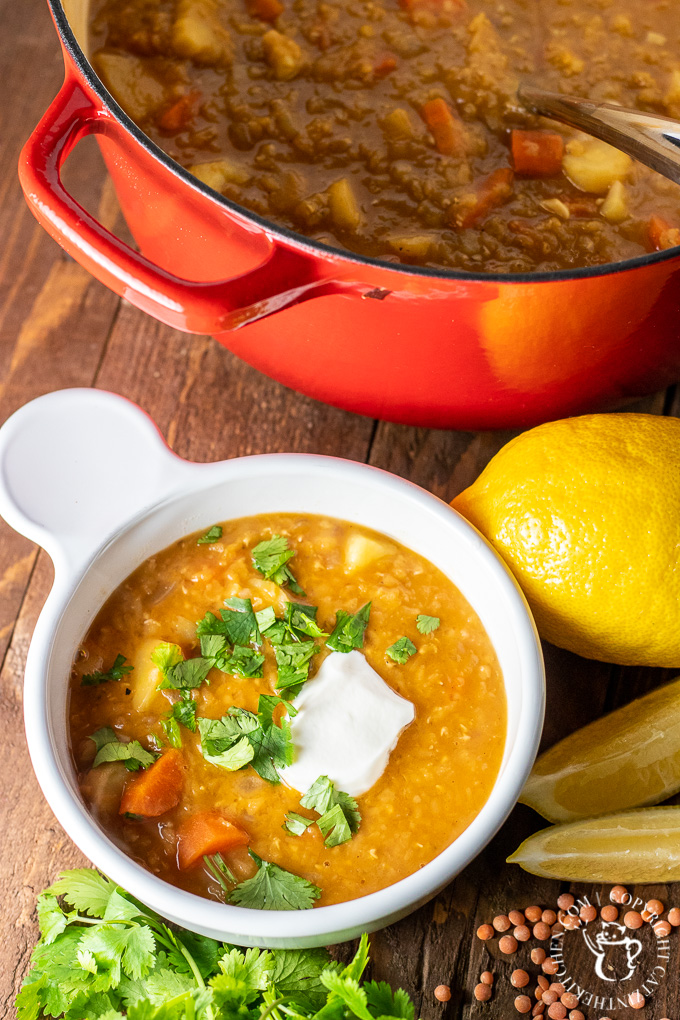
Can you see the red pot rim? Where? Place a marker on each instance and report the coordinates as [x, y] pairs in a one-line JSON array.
[[84, 66]]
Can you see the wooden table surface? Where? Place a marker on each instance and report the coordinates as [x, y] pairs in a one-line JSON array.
[[59, 328]]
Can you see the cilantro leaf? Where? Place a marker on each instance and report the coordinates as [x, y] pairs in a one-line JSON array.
[[211, 624], [402, 650], [292, 662], [110, 748], [270, 558], [117, 672], [184, 711], [187, 674], [296, 824], [265, 618], [349, 629], [426, 625], [244, 662], [273, 888], [382, 1002], [334, 826], [349, 991], [51, 917], [166, 655], [213, 646], [85, 889], [296, 973], [267, 705], [340, 817], [300, 618], [113, 951], [214, 534], [224, 743], [240, 621]]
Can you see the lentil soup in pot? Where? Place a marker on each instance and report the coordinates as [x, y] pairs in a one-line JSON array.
[[391, 128], [287, 711]]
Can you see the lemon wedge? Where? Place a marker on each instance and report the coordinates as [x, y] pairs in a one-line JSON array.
[[632, 846], [630, 758]]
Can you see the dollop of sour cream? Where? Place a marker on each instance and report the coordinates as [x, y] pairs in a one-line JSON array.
[[348, 722]]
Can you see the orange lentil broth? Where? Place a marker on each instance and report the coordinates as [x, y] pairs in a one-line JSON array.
[[439, 775]]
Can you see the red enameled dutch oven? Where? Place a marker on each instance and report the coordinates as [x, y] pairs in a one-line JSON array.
[[423, 347]]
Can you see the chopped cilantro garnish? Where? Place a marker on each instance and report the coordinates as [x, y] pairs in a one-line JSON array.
[[213, 535], [241, 622], [242, 738], [334, 826], [188, 674], [292, 662], [301, 619], [117, 672], [427, 624], [349, 629], [265, 618], [166, 655], [402, 650], [339, 812], [271, 557], [272, 888], [184, 712], [296, 824], [219, 871], [110, 748], [244, 662]]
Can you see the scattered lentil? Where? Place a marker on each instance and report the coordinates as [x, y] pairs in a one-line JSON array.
[[570, 922], [533, 914], [558, 987], [557, 1011], [516, 917], [486, 977], [508, 945], [557, 928], [538, 1009], [576, 1014], [565, 901], [485, 932], [443, 993], [609, 913], [636, 999], [549, 997], [542, 931], [522, 1003], [522, 933], [569, 1000], [543, 983], [618, 894], [661, 929], [655, 907], [501, 922], [646, 915], [550, 966], [549, 916], [588, 913], [519, 978], [538, 955], [674, 916], [632, 919], [482, 992]]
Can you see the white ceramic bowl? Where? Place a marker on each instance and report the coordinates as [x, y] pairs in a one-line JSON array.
[[87, 476]]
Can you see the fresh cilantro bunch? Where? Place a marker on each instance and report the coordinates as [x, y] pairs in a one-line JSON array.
[[241, 738], [104, 956]]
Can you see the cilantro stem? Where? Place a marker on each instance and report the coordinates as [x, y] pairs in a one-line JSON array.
[[271, 1007]]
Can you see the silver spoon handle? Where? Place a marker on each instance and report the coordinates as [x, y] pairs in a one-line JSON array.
[[653, 140]]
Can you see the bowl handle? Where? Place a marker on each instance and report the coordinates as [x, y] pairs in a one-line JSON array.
[[286, 278], [76, 465]]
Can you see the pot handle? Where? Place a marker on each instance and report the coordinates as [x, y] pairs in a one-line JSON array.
[[286, 278], [76, 465]]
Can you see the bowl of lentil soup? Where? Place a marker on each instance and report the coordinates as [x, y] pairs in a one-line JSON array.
[[324, 770], [357, 186]]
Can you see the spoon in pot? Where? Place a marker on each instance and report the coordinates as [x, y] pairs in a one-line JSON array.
[[653, 140]]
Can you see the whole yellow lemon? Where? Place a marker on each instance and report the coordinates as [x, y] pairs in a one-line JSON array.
[[586, 512]]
